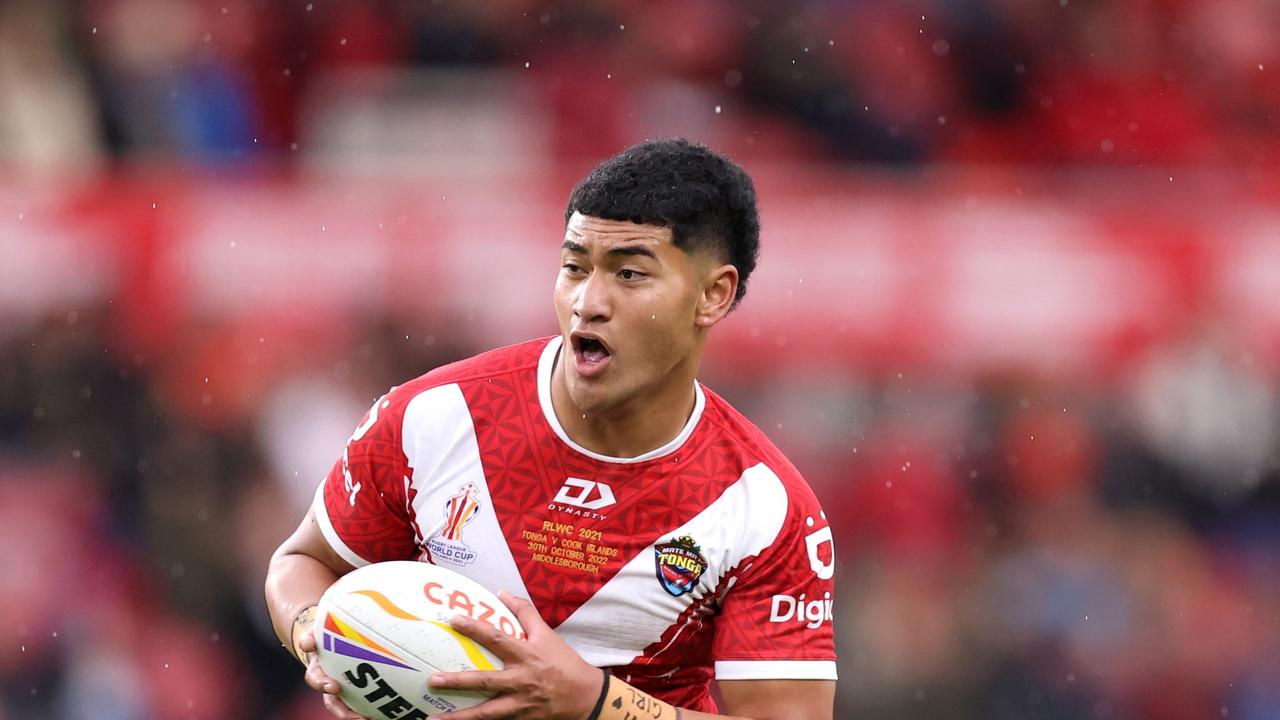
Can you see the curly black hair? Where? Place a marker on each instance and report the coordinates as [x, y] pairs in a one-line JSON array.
[[707, 200]]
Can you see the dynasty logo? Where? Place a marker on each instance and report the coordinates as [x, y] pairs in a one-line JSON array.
[[679, 564]]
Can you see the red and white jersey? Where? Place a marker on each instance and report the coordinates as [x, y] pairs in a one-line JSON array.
[[707, 555]]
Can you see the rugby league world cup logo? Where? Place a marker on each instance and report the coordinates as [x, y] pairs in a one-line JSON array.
[[459, 510]]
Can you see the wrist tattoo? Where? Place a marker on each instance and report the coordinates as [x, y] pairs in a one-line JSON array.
[[301, 622], [623, 702]]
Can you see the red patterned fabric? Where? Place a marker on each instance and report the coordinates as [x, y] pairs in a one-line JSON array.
[[746, 552]]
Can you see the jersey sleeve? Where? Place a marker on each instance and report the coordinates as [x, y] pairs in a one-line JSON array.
[[362, 505], [775, 620]]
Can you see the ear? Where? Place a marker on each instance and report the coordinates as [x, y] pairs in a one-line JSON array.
[[720, 286]]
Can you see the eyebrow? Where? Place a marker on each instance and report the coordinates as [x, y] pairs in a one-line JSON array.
[[624, 250]]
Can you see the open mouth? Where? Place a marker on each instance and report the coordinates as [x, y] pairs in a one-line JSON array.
[[590, 353]]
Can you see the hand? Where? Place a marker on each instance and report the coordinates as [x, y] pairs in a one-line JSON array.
[[318, 680], [543, 678]]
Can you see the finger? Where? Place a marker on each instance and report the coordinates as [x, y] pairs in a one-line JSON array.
[[339, 709], [499, 643], [488, 681], [526, 613], [307, 641], [500, 707], [318, 680]]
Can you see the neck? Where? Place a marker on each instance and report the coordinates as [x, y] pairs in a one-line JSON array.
[[637, 426]]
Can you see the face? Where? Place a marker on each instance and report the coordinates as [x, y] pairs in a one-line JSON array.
[[633, 311]]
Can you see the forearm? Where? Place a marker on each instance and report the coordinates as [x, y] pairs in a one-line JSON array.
[[620, 701], [294, 582], [744, 700]]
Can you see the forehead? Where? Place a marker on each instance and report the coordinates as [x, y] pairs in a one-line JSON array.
[[593, 231]]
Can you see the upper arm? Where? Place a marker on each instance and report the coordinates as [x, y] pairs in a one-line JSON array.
[[775, 620], [779, 699], [362, 511], [308, 540]]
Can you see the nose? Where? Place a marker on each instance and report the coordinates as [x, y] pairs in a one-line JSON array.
[[592, 301]]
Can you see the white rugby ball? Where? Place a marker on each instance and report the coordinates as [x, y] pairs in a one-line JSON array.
[[383, 629]]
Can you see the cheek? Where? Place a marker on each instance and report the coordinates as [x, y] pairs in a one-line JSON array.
[[560, 298]]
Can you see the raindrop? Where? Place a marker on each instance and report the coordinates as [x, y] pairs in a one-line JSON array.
[[75, 454], [717, 109], [942, 119], [941, 47], [1107, 146], [343, 41], [95, 32], [526, 64], [232, 243]]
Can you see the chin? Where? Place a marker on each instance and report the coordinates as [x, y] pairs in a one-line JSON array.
[[592, 400]]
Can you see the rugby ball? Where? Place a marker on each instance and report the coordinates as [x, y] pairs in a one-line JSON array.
[[383, 629]]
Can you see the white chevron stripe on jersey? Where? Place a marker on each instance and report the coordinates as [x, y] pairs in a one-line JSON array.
[[440, 443], [632, 611]]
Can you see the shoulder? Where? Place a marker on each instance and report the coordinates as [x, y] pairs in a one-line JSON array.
[[751, 443], [388, 415], [522, 357]]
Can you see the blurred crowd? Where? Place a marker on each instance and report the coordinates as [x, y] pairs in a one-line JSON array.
[[1012, 546], [221, 83]]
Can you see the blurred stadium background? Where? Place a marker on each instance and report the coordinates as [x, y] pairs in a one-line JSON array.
[[1017, 318]]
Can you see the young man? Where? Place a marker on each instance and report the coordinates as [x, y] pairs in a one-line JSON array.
[[655, 532]]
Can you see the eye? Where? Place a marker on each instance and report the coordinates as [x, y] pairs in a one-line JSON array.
[[571, 267], [629, 274]]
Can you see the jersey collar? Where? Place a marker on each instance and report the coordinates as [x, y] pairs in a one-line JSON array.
[[547, 362]]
